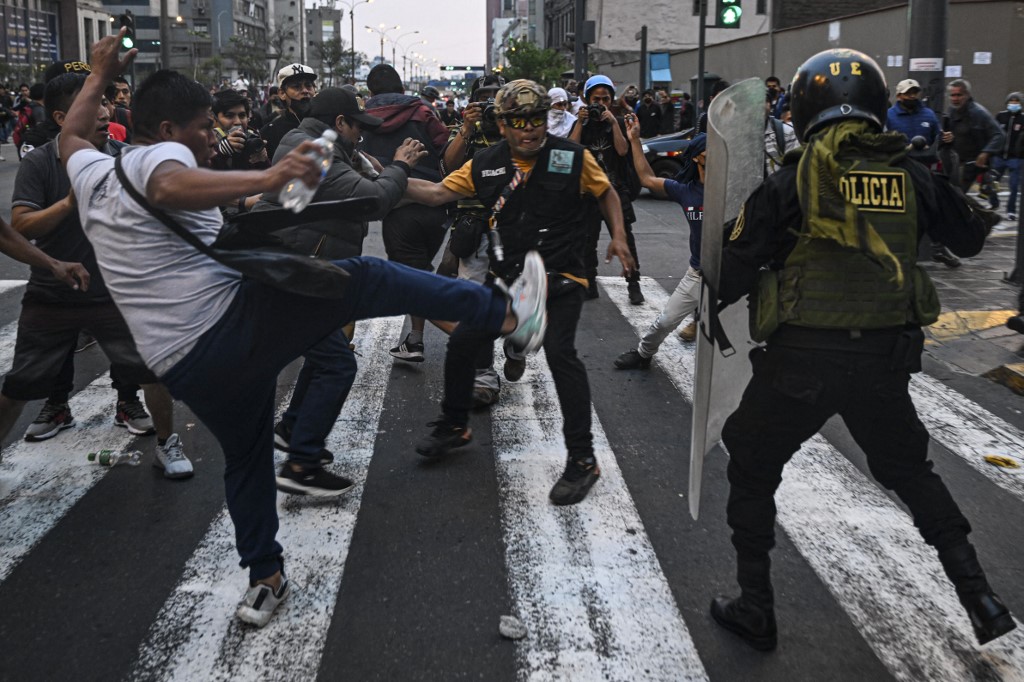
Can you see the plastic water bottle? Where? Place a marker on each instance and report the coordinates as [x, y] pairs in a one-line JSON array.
[[296, 195], [109, 458]]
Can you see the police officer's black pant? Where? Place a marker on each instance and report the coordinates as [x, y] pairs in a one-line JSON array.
[[592, 222], [471, 349], [791, 395]]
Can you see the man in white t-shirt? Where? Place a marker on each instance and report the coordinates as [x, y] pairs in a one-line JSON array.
[[218, 341]]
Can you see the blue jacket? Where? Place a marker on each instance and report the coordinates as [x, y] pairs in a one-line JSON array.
[[922, 122]]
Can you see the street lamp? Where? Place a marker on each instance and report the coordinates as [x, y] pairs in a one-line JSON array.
[[382, 31], [219, 15], [352, 4], [394, 43], [405, 57]]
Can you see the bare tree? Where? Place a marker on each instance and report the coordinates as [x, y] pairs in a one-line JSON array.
[[282, 34], [332, 55], [250, 59]]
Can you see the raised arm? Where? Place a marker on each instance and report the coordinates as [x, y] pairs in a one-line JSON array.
[[643, 169]]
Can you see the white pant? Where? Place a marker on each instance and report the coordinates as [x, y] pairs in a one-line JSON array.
[[681, 303]]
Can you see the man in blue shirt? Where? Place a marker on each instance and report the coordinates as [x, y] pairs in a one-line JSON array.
[[688, 192], [909, 116]]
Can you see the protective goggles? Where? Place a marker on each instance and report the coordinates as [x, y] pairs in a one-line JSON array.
[[520, 122]]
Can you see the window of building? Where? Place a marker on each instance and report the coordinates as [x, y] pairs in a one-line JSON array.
[[696, 8], [762, 7], [201, 27], [87, 32]]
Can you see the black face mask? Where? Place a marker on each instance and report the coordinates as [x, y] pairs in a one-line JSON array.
[[300, 107], [911, 104]]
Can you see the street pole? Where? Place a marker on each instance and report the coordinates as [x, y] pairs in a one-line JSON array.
[[700, 53], [928, 23], [352, 45], [642, 37], [165, 36], [580, 51]]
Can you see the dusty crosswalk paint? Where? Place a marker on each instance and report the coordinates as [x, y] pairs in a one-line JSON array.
[[584, 579], [860, 544], [11, 284], [42, 481], [196, 635]]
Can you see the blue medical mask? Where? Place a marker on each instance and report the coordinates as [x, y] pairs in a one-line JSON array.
[[1013, 108]]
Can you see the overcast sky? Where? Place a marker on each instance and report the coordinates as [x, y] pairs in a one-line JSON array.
[[454, 29]]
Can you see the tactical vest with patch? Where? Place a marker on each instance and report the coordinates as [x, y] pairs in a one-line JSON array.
[[544, 214], [826, 286]]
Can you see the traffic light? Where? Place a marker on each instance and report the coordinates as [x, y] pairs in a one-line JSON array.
[[127, 21], [728, 13]]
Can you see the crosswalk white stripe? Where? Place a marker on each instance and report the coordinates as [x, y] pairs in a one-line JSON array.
[[862, 546], [11, 284], [42, 481], [584, 579], [196, 635], [970, 431]]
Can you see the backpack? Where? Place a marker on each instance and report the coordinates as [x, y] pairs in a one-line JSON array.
[[25, 121]]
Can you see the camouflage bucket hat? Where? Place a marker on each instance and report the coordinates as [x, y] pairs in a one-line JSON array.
[[521, 97]]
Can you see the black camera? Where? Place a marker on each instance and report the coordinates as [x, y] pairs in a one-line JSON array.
[[596, 111], [488, 123], [254, 144]]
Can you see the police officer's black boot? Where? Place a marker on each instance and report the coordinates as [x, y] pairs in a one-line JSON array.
[[636, 297], [752, 614], [989, 617]]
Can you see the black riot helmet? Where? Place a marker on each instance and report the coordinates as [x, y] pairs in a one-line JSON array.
[[430, 92], [836, 85]]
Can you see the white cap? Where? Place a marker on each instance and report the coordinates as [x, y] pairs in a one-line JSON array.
[[293, 70], [558, 95], [906, 85]]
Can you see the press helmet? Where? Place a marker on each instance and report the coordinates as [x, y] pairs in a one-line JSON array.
[[837, 85], [598, 81], [521, 97]]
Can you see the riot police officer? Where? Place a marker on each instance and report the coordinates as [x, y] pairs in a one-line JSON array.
[[841, 302]]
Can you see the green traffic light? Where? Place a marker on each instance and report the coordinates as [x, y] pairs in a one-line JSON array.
[[127, 42], [731, 15]]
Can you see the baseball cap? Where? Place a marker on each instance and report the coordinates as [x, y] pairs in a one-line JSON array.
[[907, 85], [293, 71], [65, 66], [337, 101]]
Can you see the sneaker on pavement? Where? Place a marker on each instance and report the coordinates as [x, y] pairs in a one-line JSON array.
[[171, 458], [283, 438], [443, 439], [632, 359], [260, 601], [515, 363], [529, 294], [484, 396], [52, 419], [575, 483], [132, 415], [946, 257], [408, 351], [1011, 216], [313, 482], [689, 332]]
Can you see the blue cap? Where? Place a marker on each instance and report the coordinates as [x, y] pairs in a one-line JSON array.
[[595, 81]]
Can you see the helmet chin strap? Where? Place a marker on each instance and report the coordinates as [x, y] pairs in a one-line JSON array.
[[530, 153]]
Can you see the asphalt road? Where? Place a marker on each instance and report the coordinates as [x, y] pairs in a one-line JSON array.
[[114, 574]]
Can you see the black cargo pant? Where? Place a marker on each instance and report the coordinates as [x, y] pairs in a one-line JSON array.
[[592, 223], [791, 395], [470, 349]]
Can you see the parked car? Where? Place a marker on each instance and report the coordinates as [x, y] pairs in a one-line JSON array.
[[665, 152]]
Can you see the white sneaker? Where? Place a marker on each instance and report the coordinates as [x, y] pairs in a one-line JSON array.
[[529, 294], [171, 458], [259, 603]]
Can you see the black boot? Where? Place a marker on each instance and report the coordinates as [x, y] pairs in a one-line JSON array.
[[989, 617], [636, 297], [751, 615]]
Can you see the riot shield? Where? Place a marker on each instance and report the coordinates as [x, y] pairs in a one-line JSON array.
[[735, 167]]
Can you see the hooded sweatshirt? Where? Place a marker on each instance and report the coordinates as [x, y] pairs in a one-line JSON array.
[[405, 116]]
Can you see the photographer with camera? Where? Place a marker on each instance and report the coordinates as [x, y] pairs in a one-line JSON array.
[[468, 240], [601, 132], [649, 115], [238, 147]]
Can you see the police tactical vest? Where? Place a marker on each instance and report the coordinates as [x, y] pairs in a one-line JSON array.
[[827, 286], [544, 214]]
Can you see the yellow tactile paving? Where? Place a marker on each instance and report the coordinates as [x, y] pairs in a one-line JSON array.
[[959, 323]]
